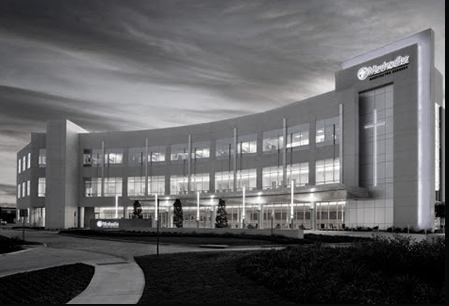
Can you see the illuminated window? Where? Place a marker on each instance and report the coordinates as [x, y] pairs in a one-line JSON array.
[[41, 187], [92, 157], [28, 188], [298, 136], [23, 189], [179, 152], [156, 154], [29, 161], [298, 173], [24, 161], [247, 144], [113, 157], [178, 184], [247, 178], [272, 141], [92, 187], [136, 186], [156, 184], [112, 186], [18, 191], [327, 171], [200, 150], [19, 165], [199, 182], [327, 131], [271, 177], [42, 157], [224, 148], [224, 181]]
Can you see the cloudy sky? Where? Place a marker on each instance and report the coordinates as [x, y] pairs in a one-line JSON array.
[[143, 64]]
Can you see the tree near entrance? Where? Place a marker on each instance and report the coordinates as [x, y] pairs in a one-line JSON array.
[[177, 213], [221, 220], [137, 210]]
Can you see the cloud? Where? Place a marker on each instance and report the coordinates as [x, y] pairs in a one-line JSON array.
[[120, 65]]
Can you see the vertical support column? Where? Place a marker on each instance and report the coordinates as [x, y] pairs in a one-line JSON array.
[[189, 161], [284, 152], [261, 216], [197, 209], [243, 206], [234, 186], [145, 160], [116, 207], [340, 142], [102, 167], [156, 209], [313, 216], [292, 194]]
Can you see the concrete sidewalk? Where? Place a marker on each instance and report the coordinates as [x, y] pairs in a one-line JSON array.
[[113, 283]]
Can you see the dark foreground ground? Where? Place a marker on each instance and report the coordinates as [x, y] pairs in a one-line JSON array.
[[381, 271], [55, 285]]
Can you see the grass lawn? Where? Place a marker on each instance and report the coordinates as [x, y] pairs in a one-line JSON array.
[[55, 285], [383, 271], [8, 245], [208, 277]]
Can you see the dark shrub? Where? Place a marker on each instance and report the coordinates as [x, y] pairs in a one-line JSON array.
[[177, 213]]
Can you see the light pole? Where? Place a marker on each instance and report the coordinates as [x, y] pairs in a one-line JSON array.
[[243, 206], [197, 209], [156, 218]]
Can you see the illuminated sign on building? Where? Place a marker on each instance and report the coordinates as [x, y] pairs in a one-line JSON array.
[[107, 224], [373, 70]]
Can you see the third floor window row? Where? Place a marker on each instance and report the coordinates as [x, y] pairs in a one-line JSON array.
[[327, 131]]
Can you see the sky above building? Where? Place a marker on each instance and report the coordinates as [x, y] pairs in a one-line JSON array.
[[123, 65]]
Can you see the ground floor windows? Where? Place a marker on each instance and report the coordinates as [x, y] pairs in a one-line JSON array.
[[299, 173], [224, 181], [327, 171], [41, 187], [247, 178]]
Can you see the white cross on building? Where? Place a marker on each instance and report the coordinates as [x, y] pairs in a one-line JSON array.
[[374, 126]]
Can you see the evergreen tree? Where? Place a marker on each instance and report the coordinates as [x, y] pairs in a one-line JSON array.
[[177, 213], [221, 220], [137, 212]]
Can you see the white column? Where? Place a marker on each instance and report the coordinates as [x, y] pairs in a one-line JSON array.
[[156, 208], [197, 206], [243, 205], [116, 206], [292, 193]]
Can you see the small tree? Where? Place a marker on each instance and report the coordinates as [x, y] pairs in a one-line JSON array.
[[177, 213], [221, 220], [137, 212]]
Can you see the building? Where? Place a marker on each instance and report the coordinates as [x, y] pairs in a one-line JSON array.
[[365, 155]]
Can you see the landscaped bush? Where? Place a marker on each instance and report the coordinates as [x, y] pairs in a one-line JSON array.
[[382, 271]]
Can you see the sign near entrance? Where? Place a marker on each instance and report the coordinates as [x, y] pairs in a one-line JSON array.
[[375, 71], [107, 224]]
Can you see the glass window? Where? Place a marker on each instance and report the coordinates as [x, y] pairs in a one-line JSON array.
[[224, 148], [272, 141], [156, 154], [271, 177], [178, 184], [224, 181], [247, 144], [113, 156], [299, 173], [24, 161], [327, 131], [136, 186], [92, 187], [246, 178], [298, 136], [19, 165], [23, 189], [42, 157], [112, 186], [136, 156], [92, 157], [41, 187], [200, 150], [179, 152], [327, 171], [29, 161], [156, 184], [28, 187], [199, 182], [19, 190]]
